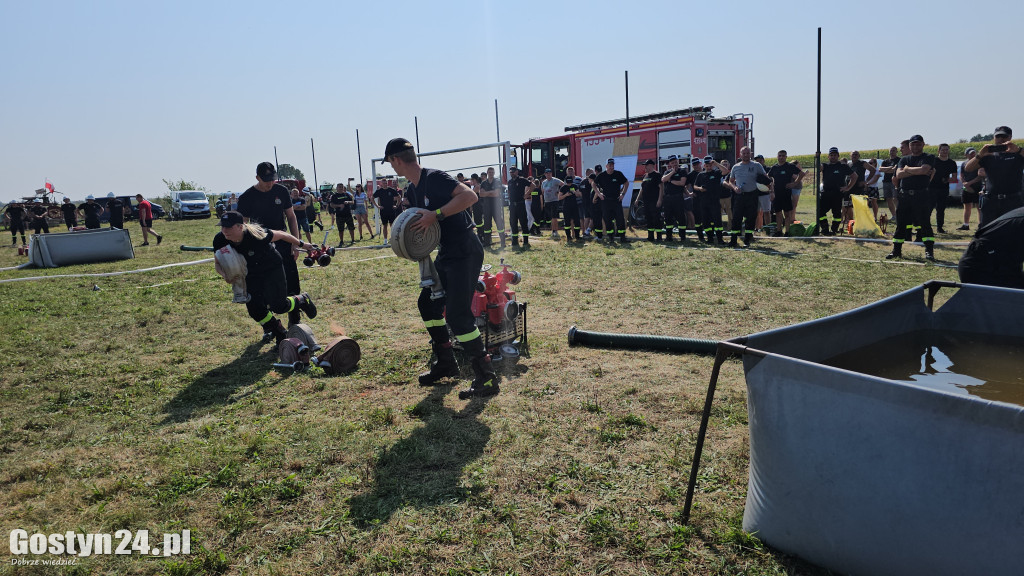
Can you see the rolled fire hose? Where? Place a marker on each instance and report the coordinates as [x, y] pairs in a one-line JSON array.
[[233, 269], [417, 245], [641, 342]]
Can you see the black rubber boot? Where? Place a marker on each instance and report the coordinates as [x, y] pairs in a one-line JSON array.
[[485, 380], [748, 239], [650, 236], [734, 243], [305, 303], [444, 367], [273, 328], [929, 251], [897, 251]]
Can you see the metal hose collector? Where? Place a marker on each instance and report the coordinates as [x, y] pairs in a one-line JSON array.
[[641, 342]]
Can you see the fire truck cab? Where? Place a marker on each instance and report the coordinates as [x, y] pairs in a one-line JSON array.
[[691, 132]]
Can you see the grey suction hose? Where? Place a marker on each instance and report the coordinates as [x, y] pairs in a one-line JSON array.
[[641, 342]]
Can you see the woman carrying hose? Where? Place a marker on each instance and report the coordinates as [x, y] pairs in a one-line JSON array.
[[264, 277]]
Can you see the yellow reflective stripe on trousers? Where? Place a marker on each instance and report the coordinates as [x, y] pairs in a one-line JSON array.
[[433, 323], [267, 318], [467, 337]]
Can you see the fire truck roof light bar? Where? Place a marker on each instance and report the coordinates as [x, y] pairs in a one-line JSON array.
[[702, 112]]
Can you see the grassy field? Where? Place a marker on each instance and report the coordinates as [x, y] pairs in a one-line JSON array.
[[146, 401]]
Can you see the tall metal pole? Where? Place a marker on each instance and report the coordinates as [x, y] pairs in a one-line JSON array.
[[276, 167], [817, 153], [359, 157], [316, 184], [416, 121], [497, 131], [627, 102]]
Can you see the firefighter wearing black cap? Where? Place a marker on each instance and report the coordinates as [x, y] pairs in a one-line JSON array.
[[458, 262], [264, 277], [270, 204], [996, 255], [915, 203], [652, 190], [1003, 163], [675, 190], [613, 186], [834, 186], [519, 189], [708, 187]]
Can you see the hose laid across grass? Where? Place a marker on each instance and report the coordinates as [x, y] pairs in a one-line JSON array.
[[641, 342]]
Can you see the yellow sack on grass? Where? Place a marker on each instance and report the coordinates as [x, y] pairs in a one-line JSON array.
[[863, 219]]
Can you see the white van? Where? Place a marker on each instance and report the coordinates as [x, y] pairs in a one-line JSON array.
[[189, 204]]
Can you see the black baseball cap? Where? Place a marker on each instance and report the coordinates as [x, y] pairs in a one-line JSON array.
[[759, 157], [1003, 131], [917, 138], [709, 159], [672, 157], [396, 145], [546, 170], [649, 161], [969, 150], [611, 161], [230, 218], [513, 169], [266, 172], [833, 149], [694, 160]]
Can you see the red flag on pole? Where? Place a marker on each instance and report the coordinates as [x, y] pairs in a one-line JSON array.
[[49, 186]]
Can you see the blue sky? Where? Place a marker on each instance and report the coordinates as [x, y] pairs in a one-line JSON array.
[[115, 96]]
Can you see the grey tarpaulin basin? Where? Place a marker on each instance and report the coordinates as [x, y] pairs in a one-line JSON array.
[[864, 475]]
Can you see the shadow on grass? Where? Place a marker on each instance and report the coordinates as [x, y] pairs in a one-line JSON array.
[[425, 469], [216, 386]]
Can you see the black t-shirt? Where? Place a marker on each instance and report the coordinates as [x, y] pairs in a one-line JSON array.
[[943, 169], [917, 182], [69, 211], [833, 176], [259, 253], [386, 198], [650, 186], [676, 183], [570, 189], [91, 210], [587, 190], [17, 214], [782, 175], [517, 189], [491, 186], [966, 177], [711, 182], [611, 185], [434, 191], [859, 167], [340, 203], [38, 211], [268, 208], [887, 178], [116, 209], [1002, 172]]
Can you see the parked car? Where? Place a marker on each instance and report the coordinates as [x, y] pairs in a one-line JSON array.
[[189, 204]]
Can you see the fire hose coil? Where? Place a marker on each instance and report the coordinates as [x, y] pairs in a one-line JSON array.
[[410, 244]]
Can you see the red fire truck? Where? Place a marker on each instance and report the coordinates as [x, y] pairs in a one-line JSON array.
[[691, 132]]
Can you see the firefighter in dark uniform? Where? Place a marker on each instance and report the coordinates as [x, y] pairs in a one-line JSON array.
[[652, 190], [915, 202], [996, 255], [264, 273], [70, 212], [458, 262], [834, 185], [15, 213], [1003, 163], [518, 189], [569, 194], [536, 207], [675, 189], [116, 209], [270, 204], [613, 186], [708, 188], [39, 224], [91, 211]]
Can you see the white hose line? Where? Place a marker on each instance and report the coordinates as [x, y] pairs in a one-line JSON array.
[[103, 274]]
